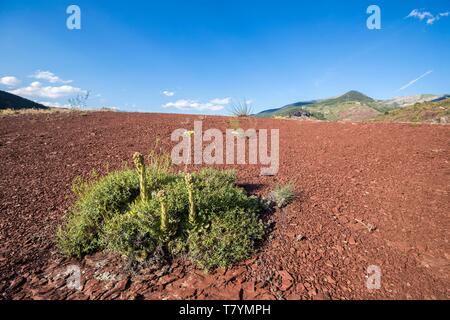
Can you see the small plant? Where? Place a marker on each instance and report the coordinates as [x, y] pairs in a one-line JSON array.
[[80, 100], [241, 109], [281, 196], [140, 168], [190, 187]]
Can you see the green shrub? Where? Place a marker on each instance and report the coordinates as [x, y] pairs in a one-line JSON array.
[[111, 215], [229, 239], [131, 235], [98, 202]]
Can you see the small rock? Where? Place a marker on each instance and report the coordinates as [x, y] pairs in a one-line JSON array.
[[188, 292], [164, 280], [122, 284], [330, 280], [312, 292], [300, 287], [352, 240], [286, 280]]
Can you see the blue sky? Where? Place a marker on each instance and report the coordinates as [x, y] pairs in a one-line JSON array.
[[203, 54]]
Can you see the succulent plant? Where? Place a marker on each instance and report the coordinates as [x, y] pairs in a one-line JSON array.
[[138, 159], [190, 187]]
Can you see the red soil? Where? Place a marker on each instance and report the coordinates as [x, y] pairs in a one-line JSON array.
[[393, 176]]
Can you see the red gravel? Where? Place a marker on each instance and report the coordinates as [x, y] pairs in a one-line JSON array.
[[393, 176]]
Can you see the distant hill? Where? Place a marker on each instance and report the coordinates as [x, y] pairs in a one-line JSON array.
[[284, 110], [351, 106], [11, 101], [432, 112], [444, 97], [402, 102], [350, 97]]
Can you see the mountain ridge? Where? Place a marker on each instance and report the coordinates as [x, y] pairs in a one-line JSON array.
[[351, 106], [12, 101]]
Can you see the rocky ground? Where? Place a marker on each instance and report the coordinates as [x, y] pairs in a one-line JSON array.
[[369, 194]]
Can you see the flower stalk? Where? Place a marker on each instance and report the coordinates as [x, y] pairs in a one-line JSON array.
[[138, 159], [190, 187]]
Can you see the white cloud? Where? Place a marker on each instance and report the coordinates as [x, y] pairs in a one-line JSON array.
[[48, 76], [55, 104], [420, 14], [415, 80], [35, 89], [68, 106], [168, 93], [213, 105], [223, 101], [426, 15], [9, 81]]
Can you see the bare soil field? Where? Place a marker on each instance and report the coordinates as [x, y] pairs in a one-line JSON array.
[[394, 177]]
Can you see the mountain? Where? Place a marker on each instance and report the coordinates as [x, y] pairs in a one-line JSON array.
[[430, 111], [11, 101], [401, 102], [350, 96], [286, 110], [443, 97], [268, 113], [351, 106]]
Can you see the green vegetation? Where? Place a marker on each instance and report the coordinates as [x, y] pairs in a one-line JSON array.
[[285, 111], [136, 213], [436, 112], [227, 240], [281, 196], [98, 202], [140, 167], [352, 106]]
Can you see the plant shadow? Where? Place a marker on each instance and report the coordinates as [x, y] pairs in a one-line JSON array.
[[250, 188]]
